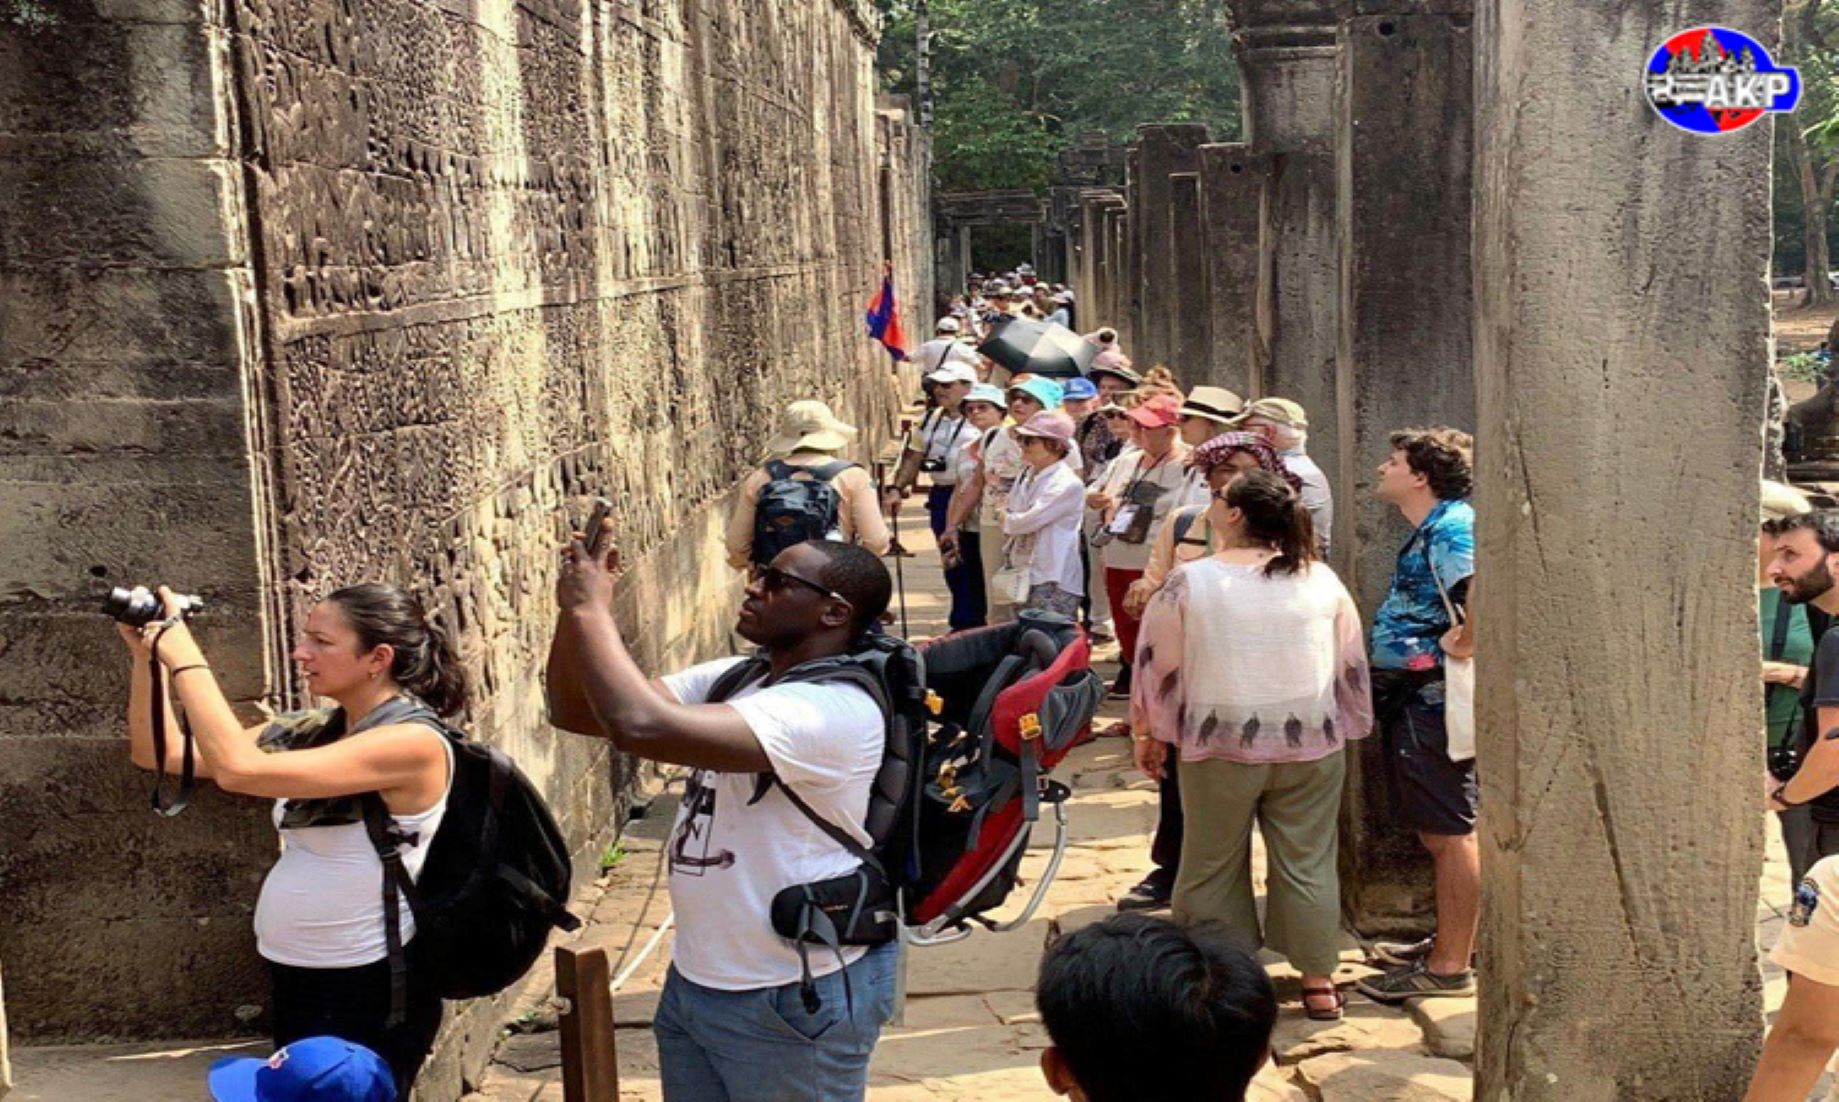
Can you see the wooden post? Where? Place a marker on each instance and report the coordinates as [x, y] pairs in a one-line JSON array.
[[590, 1062]]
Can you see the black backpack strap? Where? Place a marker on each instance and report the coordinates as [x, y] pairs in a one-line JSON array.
[[827, 471], [1184, 520], [736, 678], [387, 840], [835, 833], [848, 671], [1778, 642], [779, 470]]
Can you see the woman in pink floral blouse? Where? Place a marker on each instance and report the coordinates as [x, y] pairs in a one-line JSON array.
[[1252, 663]]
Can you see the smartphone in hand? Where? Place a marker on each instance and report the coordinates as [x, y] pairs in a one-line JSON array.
[[595, 531]]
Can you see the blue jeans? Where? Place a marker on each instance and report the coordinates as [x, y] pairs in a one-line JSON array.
[[762, 1046]]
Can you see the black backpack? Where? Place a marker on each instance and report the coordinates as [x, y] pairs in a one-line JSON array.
[[799, 504], [495, 881], [861, 907]]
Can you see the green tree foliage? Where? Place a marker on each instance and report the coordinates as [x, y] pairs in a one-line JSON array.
[[1016, 81], [1807, 146]]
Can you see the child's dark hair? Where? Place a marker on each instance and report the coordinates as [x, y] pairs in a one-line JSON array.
[[425, 662], [1274, 514], [1144, 1010]]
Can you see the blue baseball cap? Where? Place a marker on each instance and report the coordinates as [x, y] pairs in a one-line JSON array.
[[316, 1069], [1078, 390]]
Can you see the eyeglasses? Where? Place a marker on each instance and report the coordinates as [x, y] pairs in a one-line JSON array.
[[774, 580]]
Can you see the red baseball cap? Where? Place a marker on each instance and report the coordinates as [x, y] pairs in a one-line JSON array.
[[1159, 412]]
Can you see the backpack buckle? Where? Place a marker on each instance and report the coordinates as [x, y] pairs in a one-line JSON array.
[[1030, 726]]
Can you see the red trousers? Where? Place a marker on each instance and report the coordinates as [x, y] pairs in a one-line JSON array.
[[1117, 582]]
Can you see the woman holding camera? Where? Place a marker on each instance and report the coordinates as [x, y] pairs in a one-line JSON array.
[[391, 673]]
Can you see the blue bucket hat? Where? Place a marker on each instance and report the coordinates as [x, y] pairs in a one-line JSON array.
[[1079, 390], [316, 1069], [1045, 391]]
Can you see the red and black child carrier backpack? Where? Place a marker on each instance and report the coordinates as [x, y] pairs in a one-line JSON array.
[[976, 721]]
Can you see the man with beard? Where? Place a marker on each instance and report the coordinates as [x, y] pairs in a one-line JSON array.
[[736, 1021], [1806, 554]]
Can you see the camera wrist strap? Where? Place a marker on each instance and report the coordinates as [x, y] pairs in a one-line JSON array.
[[156, 690]]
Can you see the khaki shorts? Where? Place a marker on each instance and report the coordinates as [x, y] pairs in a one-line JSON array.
[[1809, 945]]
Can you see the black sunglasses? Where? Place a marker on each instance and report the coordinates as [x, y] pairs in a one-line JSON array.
[[774, 580]]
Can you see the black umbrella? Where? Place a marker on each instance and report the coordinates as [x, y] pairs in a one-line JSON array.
[[1024, 345]]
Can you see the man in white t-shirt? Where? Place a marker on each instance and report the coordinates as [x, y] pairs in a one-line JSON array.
[[735, 1021], [947, 346]]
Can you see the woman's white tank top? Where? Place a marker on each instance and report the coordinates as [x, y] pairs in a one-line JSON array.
[[322, 904]]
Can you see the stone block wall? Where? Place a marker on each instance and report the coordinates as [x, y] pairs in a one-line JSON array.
[[305, 292]]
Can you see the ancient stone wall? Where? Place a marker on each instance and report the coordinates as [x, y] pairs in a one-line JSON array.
[[425, 277]]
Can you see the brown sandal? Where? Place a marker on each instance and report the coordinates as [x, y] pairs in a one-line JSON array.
[[1315, 1014]]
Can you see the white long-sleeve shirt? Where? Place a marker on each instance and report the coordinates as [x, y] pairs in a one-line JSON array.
[[1044, 512]]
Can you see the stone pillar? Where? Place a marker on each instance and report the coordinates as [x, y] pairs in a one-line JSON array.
[[1231, 191], [126, 308], [1119, 299], [953, 266], [1187, 297], [1403, 154], [1287, 62], [1162, 150], [1097, 261], [1619, 764], [1130, 261]]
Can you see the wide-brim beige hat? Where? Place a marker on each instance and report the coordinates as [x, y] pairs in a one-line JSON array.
[[810, 426], [1780, 501]]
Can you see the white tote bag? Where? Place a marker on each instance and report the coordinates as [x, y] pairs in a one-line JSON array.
[[1012, 580], [1458, 688]]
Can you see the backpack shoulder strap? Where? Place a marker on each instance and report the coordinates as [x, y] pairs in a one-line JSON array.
[[835, 833], [1185, 519], [866, 672], [387, 840], [828, 471], [736, 678], [779, 470]]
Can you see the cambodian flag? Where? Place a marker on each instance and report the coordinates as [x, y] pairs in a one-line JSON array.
[[884, 317]]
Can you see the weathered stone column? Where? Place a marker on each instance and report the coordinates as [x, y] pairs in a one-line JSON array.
[[1619, 763], [1231, 192], [1129, 323], [1094, 295], [1287, 61], [1117, 219], [1162, 150], [952, 266], [1403, 156], [1187, 294], [126, 319]]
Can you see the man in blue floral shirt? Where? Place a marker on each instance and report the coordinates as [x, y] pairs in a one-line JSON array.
[[1428, 478]]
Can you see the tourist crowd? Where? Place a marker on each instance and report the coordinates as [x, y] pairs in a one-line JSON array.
[[1193, 527], [1187, 524]]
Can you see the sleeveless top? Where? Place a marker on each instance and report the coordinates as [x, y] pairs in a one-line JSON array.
[[322, 903]]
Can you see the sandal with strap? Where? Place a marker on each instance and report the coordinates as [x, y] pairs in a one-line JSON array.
[[1318, 1014]]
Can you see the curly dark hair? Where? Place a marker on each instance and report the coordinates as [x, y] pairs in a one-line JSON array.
[[1443, 455]]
